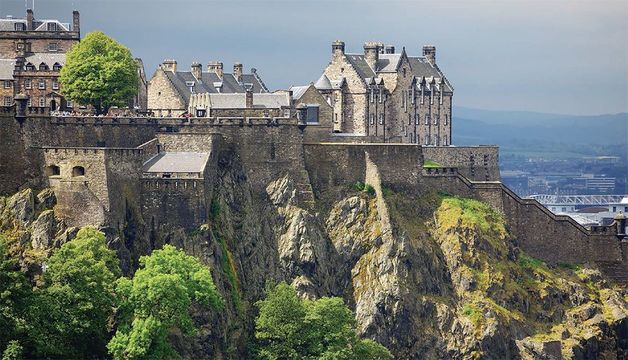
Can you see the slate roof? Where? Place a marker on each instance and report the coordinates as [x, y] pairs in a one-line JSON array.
[[48, 58], [238, 100], [360, 65], [6, 69], [228, 83], [323, 83], [38, 25], [298, 91], [177, 162]]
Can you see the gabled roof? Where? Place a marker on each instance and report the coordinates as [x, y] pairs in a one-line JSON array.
[[298, 91], [38, 25], [47, 58], [6, 69], [388, 62], [360, 65]]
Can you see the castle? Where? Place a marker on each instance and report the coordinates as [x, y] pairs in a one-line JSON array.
[[378, 117]]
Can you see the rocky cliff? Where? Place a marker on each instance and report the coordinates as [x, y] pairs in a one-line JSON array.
[[429, 275]]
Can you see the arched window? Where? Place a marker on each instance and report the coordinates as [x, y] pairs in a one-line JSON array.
[[29, 67], [53, 170], [43, 67], [56, 67], [78, 171]]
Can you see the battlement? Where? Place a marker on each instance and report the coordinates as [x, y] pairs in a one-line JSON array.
[[173, 121]]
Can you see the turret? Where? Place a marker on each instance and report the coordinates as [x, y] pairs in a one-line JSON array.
[[429, 52]]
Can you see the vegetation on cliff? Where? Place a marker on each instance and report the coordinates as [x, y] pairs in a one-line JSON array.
[[289, 327]]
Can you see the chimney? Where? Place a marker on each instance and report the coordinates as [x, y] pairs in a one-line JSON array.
[[29, 20], [76, 21], [237, 71], [337, 49], [170, 65], [429, 52], [390, 49], [197, 70], [249, 99], [371, 54], [216, 68]]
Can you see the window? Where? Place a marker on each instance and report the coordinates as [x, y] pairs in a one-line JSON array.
[[20, 27], [29, 103], [435, 140], [42, 102], [53, 47], [42, 84], [435, 120], [312, 114], [445, 140], [8, 101], [52, 26], [372, 117], [563, 209], [379, 98], [427, 119], [446, 119], [404, 72], [381, 119], [69, 104], [56, 67], [55, 84], [201, 112], [28, 84], [43, 67], [7, 84], [417, 119], [372, 95], [29, 67], [427, 139], [614, 208], [409, 119], [405, 131], [78, 171], [53, 170], [19, 46]]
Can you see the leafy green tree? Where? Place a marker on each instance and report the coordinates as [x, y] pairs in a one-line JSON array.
[[290, 328], [14, 351], [157, 300], [15, 295], [100, 72], [74, 306]]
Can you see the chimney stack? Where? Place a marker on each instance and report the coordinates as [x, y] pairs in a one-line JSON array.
[[76, 21], [371, 54], [237, 71], [337, 49], [390, 49], [170, 65], [216, 68], [429, 52], [29, 20], [249, 98], [197, 70]]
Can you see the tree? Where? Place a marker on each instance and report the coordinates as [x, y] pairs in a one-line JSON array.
[[73, 308], [290, 328], [15, 294], [157, 300], [100, 72]]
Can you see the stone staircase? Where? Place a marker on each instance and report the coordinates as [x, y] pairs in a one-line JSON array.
[[615, 271], [305, 194]]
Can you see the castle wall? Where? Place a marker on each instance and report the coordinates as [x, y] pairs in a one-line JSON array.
[[479, 163], [180, 202]]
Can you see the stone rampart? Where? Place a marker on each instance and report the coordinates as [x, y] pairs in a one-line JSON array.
[[479, 163]]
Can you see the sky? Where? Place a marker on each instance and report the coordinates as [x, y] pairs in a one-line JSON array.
[[558, 56]]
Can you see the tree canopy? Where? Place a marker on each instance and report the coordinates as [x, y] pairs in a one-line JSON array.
[[291, 328], [99, 72], [73, 308], [158, 299]]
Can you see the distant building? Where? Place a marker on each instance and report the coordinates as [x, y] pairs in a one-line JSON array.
[[170, 89], [32, 53]]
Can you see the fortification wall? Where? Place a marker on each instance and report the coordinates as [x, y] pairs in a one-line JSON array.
[[124, 167], [480, 163], [180, 202]]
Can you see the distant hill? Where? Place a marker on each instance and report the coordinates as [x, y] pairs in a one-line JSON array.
[[524, 129]]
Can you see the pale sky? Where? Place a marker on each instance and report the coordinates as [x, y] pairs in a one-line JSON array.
[[561, 56]]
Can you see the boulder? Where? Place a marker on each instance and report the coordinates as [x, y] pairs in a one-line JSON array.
[[22, 206], [43, 230], [46, 199]]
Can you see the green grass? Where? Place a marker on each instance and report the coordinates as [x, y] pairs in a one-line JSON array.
[[363, 187], [473, 313], [529, 262], [431, 164]]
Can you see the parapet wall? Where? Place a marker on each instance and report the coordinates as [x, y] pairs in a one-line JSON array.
[[480, 163]]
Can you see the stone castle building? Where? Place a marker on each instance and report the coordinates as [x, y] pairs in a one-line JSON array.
[[388, 96], [170, 89], [32, 53]]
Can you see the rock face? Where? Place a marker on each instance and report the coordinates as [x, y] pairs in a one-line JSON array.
[[429, 276]]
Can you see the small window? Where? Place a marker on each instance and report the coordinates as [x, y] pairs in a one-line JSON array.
[[564, 209], [53, 170], [28, 84], [416, 119], [56, 67], [312, 114], [614, 208], [42, 102], [29, 67], [427, 119], [8, 101], [69, 104], [29, 103], [372, 117], [52, 26], [43, 67], [7, 84], [20, 27], [435, 120], [55, 84], [445, 140], [78, 171], [427, 139], [381, 119], [446, 119], [53, 47], [42, 84]]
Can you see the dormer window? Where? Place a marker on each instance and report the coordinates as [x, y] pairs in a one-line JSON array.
[[52, 26], [29, 67], [53, 47], [43, 67], [56, 67], [20, 27], [190, 85]]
